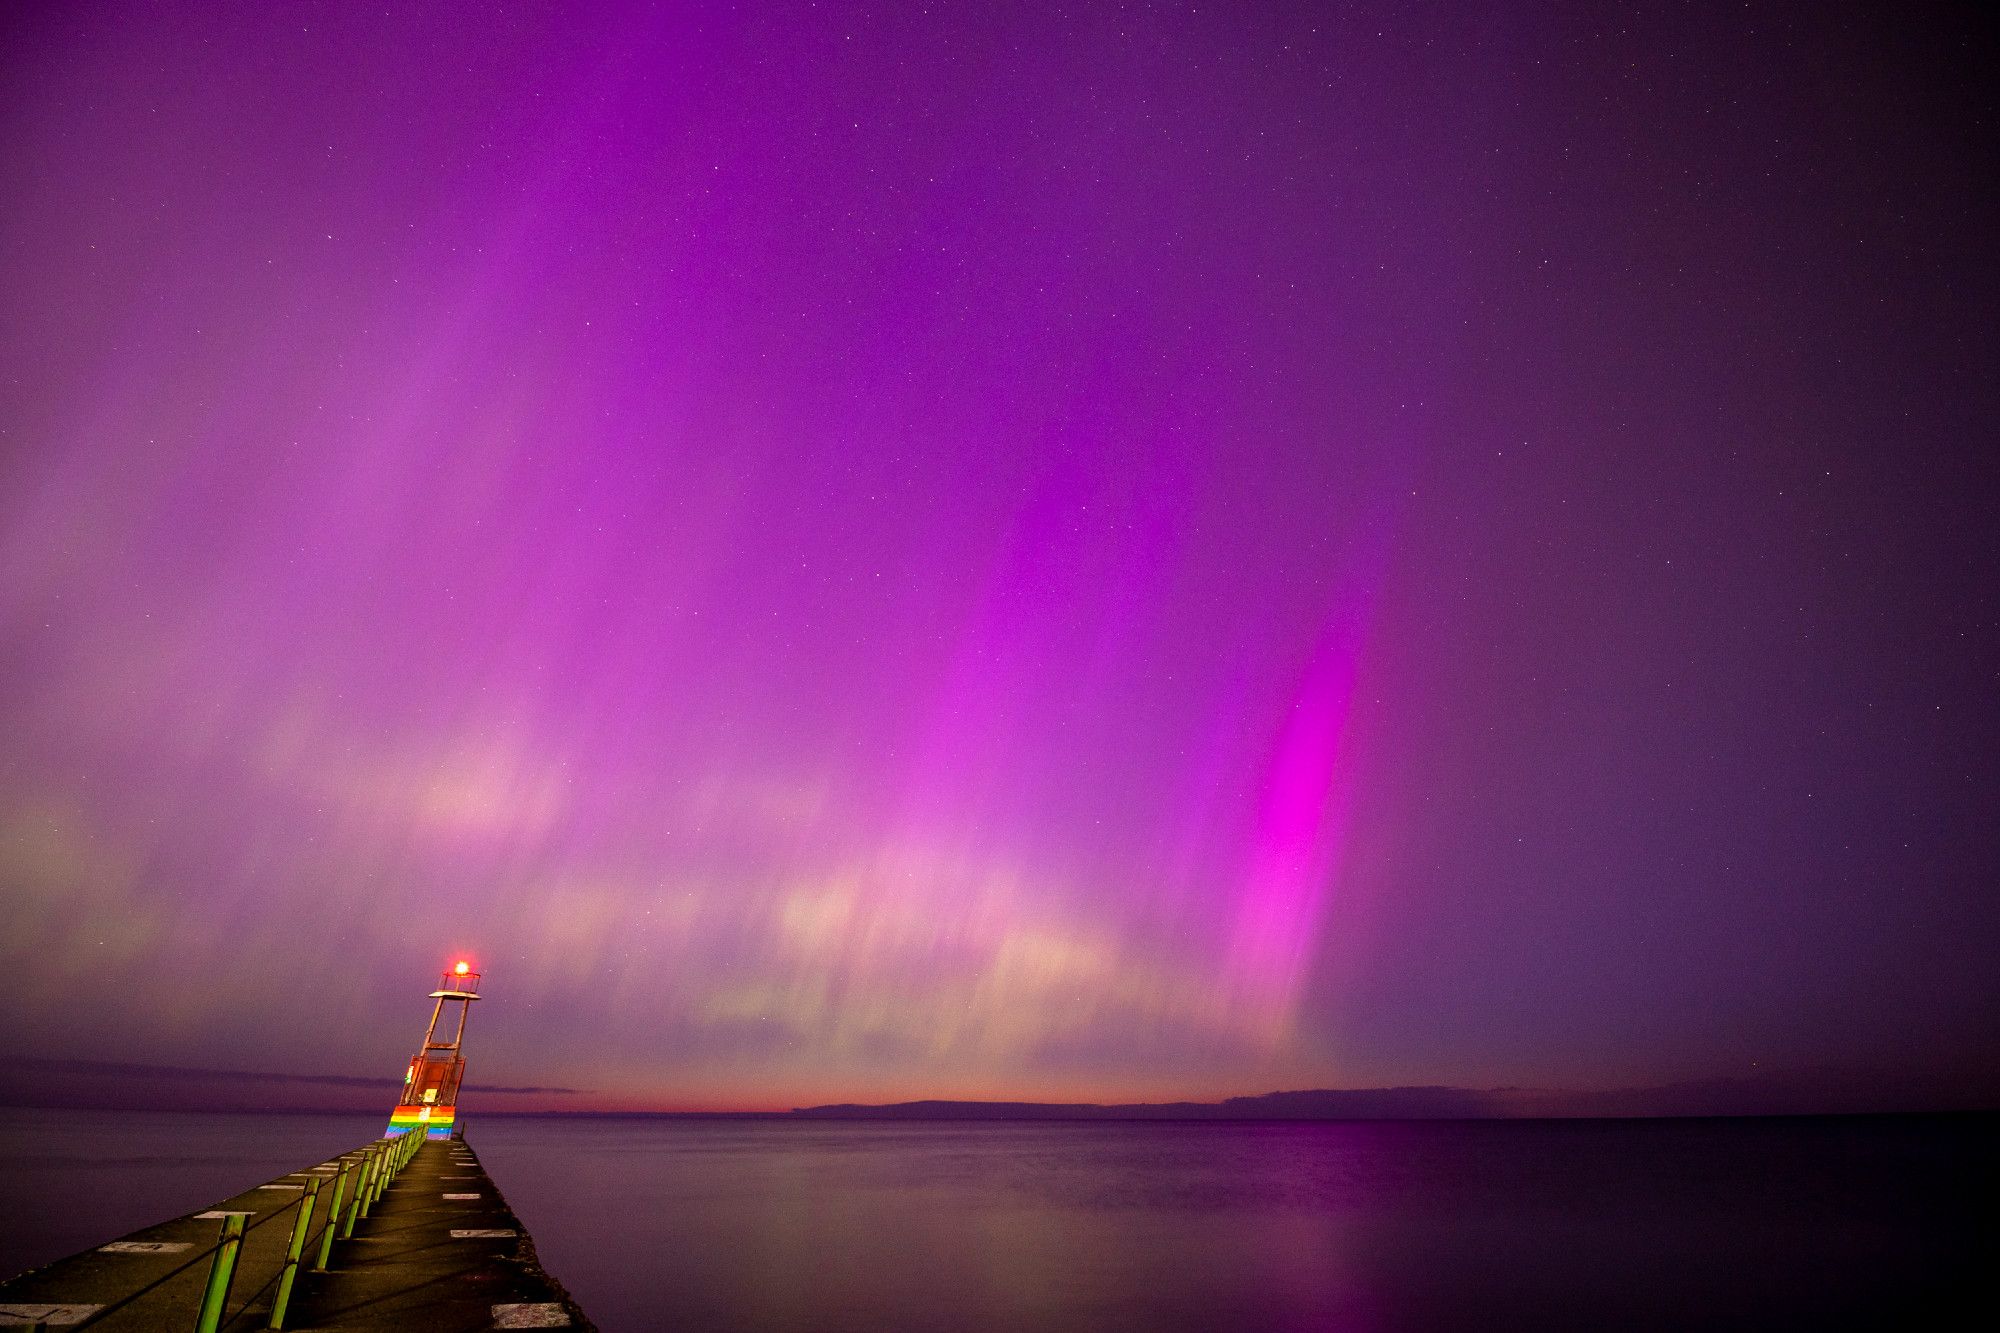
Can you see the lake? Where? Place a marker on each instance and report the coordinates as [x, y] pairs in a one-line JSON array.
[[804, 1225]]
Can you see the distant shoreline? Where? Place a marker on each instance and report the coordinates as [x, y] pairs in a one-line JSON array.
[[889, 1115], [30, 1083], [1050, 1113]]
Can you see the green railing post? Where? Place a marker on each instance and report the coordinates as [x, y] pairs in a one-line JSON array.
[[360, 1197], [332, 1221], [375, 1173], [219, 1275], [307, 1202]]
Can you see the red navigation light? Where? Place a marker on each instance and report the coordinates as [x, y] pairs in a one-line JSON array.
[[461, 969]]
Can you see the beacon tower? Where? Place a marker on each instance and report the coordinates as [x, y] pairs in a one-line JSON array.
[[430, 1087]]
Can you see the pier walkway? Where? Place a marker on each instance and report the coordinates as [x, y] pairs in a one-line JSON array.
[[444, 1253], [421, 1240]]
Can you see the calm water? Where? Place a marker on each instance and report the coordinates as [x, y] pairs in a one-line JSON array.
[[1496, 1225], [72, 1179]]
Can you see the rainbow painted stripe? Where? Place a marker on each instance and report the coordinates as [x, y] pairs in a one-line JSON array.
[[436, 1121]]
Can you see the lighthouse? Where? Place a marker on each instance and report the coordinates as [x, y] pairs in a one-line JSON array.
[[430, 1086]]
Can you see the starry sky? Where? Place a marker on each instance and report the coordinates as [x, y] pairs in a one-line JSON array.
[[1093, 552]]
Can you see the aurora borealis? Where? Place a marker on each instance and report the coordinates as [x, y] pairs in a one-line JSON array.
[[850, 554]]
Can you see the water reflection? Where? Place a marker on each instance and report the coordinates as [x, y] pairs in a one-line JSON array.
[[783, 1226], [770, 1226]]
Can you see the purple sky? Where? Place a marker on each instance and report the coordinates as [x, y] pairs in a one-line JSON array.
[[845, 554]]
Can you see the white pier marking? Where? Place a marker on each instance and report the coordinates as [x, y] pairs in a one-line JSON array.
[[281, 1187], [50, 1314], [146, 1247], [461, 1196], [224, 1212], [540, 1315], [481, 1235]]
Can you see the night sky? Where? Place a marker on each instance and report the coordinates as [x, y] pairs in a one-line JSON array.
[[852, 553]]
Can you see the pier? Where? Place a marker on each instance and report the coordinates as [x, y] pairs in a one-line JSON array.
[[405, 1233]]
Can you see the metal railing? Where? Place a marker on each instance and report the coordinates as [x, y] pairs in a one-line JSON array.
[[380, 1162]]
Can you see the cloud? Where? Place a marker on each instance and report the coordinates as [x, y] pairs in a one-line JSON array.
[[117, 1069]]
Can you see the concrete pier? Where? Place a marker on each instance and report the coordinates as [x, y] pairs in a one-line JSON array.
[[444, 1253], [438, 1250]]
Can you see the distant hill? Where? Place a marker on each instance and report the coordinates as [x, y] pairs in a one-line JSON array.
[[73, 1083], [1319, 1104], [1825, 1091]]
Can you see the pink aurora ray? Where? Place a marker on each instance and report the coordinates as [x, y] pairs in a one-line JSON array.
[[1294, 852]]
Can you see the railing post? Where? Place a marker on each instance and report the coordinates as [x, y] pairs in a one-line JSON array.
[[378, 1169], [219, 1275], [307, 1202], [332, 1221], [360, 1197]]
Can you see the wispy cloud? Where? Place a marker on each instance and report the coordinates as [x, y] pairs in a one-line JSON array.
[[183, 1073]]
